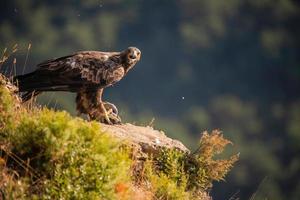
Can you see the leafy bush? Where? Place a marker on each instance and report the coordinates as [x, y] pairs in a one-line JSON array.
[[68, 157], [190, 172], [47, 154]]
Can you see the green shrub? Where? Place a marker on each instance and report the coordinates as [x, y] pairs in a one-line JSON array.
[[68, 157], [190, 172], [47, 154]]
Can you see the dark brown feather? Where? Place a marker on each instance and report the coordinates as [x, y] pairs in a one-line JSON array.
[[86, 73]]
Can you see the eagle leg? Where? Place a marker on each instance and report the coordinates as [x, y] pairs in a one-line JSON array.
[[105, 112]]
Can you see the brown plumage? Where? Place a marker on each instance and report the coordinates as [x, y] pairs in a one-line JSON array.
[[87, 73]]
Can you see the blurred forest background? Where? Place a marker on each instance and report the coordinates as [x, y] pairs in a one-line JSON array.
[[206, 64]]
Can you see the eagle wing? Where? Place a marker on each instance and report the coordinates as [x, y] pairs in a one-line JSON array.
[[70, 73], [89, 67]]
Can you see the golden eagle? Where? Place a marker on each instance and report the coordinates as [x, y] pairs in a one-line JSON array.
[[87, 73]]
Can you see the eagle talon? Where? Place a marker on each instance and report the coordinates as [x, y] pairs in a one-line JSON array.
[[106, 113], [111, 115]]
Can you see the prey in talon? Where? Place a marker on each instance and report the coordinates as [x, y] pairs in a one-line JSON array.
[[86, 73]]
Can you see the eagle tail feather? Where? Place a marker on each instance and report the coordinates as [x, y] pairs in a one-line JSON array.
[[31, 81]]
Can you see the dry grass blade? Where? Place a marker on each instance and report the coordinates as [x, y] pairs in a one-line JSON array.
[[55, 105], [4, 57], [259, 186], [151, 123], [50, 100], [4, 51], [15, 66], [233, 197], [26, 59], [15, 48], [21, 163]]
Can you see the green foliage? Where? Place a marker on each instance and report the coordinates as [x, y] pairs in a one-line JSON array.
[[68, 157], [165, 187], [190, 174], [9, 187], [172, 163], [199, 168], [47, 154], [90, 168], [8, 109]]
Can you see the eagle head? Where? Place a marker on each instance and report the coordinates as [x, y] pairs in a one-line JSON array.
[[130, 57]]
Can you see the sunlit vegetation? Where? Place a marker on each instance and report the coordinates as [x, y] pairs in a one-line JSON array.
[[46, 154], [236, 63]]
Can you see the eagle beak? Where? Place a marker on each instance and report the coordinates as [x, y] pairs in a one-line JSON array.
[[134, 55]]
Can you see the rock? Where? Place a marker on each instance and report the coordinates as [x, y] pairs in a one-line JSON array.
[[148, 139]]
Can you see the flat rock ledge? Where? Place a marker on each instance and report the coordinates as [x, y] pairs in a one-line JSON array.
[[148, 139]]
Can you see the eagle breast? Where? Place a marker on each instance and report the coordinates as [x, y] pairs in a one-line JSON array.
[[115, 75]]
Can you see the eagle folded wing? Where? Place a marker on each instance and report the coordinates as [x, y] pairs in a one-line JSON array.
[[90, 67]]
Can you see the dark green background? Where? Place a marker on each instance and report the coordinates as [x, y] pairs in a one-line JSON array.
[[206, 64]]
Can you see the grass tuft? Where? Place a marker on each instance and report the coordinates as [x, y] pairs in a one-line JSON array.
[[46, 154]]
